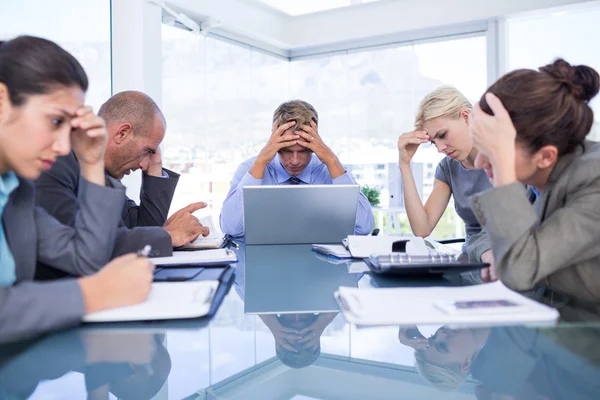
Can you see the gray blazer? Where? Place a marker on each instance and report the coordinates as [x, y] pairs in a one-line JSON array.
[[56, 192], [30, 308], [480, 242], [555, 240]]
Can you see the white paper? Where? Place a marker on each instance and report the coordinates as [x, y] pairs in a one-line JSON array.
[[196, 257], [402, 306], [365, 246], [214, 240], [167, 300]]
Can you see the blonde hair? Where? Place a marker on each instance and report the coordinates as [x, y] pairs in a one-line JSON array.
[[295, 110], [445, 101], [445, 378]]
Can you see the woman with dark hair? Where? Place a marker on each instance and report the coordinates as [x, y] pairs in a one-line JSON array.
[[42, 90], [531, 127]]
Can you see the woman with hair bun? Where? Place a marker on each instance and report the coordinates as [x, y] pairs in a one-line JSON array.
[[531, 127]]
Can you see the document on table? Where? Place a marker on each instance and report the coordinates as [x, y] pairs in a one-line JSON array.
[[167, 300], [205, 257], [403, 306]]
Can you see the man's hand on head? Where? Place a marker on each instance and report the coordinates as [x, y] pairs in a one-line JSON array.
[[311, 139], [278, 140], [155, 165], [183, 227]]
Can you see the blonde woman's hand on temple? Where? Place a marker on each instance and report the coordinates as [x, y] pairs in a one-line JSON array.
[[408, 143]]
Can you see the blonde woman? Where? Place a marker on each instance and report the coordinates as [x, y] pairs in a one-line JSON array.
[[445, 358], [442, 119]]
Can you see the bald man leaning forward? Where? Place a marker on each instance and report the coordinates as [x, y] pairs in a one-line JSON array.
[[136, 127]]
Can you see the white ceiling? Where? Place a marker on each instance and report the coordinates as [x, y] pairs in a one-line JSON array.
[[302, 7], [260, 24]]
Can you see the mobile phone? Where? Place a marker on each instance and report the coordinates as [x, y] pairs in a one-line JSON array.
[[495, 306]]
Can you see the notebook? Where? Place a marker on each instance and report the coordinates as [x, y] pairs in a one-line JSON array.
[[422, 306], [167, 300], [215, 239], [192, 258]]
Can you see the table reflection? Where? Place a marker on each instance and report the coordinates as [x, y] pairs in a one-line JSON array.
[[125, 364]]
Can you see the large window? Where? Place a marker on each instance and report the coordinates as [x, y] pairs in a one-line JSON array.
[[218, 99], [367, 99], [535, 41], [81, 27]]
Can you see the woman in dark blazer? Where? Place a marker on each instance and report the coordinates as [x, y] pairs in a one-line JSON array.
[[531, 127], [42, 90]]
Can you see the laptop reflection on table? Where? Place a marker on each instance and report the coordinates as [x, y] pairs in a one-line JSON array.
[[283, 279]]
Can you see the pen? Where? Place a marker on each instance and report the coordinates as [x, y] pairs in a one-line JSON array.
[[145, 251]]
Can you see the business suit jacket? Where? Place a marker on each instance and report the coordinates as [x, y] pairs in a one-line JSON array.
[[56, 192], [30, 308], [555, 240], [480, 242]]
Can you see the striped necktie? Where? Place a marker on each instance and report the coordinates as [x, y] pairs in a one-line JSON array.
[[295, 181]]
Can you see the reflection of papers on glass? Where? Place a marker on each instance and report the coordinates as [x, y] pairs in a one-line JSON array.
[[357, 267], [214, 240], [401, 306], [167, 300], [213, 256], [333, 250]]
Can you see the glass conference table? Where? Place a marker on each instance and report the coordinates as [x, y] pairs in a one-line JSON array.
[[278, 335]]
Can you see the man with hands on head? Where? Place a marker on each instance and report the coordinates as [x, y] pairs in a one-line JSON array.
[[136, 127], [295, 154]]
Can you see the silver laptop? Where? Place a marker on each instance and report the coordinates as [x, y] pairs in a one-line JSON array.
[[299, 214]]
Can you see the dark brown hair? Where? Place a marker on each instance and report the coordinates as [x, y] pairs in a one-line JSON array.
[[31, 65], [549, 106]]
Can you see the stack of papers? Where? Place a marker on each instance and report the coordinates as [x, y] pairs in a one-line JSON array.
[[206, 257], [408, 306]]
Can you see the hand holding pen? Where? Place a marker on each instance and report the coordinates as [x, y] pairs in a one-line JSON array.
[[124, 281], [144, 251]]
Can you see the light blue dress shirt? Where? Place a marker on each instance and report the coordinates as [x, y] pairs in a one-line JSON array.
[[8, 183], [315, 173]]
